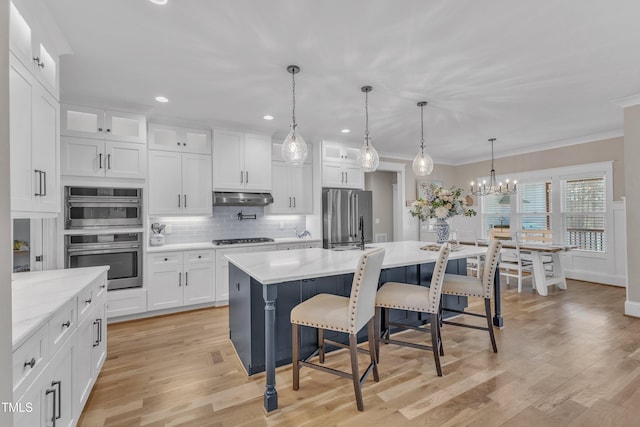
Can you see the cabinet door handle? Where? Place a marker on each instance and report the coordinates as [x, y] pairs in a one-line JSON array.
[[185, 200], [59, 396], [246, 177], [178, 142], [241, 177], [341, 176], [99, 329], [99, 129], [108, 130], [45, 183], [289, 201], [346, 177], [108, 159], [97, 341], [88, 301], [179, 201], [66, 324], [31, 363], [55, 392], [38, 192], [100, 161], [294, 202], [180, 279], [186, 278]]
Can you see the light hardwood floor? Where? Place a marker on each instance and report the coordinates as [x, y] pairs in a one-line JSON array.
[[569, 359]]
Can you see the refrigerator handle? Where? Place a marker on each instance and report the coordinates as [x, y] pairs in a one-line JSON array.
[[354, 216]]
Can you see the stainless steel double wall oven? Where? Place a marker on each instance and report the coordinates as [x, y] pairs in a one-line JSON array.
[[103, 218]]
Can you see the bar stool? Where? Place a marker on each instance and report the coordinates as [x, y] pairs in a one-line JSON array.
[[467, 286], [404, 296], [342, 314]]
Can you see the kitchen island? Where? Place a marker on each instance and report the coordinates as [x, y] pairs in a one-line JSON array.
[[265, 286]]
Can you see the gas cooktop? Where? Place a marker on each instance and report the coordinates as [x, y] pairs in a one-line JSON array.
[[243, 240]]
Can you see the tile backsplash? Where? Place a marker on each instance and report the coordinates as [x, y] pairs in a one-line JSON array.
[[224, 224]]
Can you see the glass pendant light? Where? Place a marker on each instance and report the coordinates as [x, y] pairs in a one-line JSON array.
[[294, 149], [368, 158], [423, 163]]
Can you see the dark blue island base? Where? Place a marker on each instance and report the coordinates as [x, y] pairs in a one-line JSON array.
[[259, 325]]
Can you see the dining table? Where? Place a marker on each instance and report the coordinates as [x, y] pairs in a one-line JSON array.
[[542, 278]]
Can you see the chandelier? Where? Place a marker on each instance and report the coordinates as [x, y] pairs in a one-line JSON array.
[[493, 187]]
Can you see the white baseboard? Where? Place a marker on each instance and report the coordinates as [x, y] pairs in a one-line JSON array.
[[632, 308], [590, 276], [155, 313]]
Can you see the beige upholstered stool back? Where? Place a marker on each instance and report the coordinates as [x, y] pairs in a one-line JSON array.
[[364, 288], [435, 289], [490, 265]]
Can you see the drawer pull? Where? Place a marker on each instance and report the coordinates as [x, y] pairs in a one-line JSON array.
[[67, 324], [31, 363], [166, 259], [199, 256], [88, 301], [103, 286]]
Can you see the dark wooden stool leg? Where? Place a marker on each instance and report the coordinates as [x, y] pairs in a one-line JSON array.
[[434, 342], [355, 372], [295, 333], [321, 344], [487, 306], [371, 334]]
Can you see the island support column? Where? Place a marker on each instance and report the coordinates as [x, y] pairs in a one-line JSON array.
[[270, 294]]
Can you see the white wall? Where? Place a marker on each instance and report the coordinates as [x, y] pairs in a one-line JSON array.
[[6, 380]]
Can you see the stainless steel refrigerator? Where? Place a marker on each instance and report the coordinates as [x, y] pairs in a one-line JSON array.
[[346, 215]]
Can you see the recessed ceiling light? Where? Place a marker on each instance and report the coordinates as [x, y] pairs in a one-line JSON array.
[[162, 99], [159, 2], [268, 117], [345, 130]]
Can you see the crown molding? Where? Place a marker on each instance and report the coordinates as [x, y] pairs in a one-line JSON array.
[[627, 101]]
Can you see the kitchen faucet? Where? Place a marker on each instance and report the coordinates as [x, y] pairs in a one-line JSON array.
[[361, 229]]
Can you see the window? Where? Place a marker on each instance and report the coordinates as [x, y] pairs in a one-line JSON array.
[[496, 211], [584, 213], [534, 206]]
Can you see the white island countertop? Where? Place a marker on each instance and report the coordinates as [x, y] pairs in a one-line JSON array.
[[276, 267], [37, 295]]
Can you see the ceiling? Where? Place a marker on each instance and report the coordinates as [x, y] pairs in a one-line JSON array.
[[531, 74]]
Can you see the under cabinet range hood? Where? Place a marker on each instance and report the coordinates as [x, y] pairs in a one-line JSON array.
[[241, 199]]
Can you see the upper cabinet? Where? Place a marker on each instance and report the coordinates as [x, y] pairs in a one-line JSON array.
[[94, 123], [34, 140], [31, 47], [241, 161], [183, 140], [340, 167], [292, 186], [91, 157], [179, 184]]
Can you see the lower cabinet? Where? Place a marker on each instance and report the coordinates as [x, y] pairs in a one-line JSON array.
[[180, 278], [222, 269], [69, 366]]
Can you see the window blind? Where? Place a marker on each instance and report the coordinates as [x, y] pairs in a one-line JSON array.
[[534, 204], [584, 213]]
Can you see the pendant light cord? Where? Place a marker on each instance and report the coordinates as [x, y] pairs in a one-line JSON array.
[[366, 115], [293, 115], [422, 129]]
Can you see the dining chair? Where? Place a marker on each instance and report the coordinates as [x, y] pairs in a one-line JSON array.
[[474, 264], [404, 296], [342, 314], [468, 286], [513, 263]]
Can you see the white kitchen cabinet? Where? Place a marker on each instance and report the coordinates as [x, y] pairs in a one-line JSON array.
[[180, 279], [241, 161], [335, 152], [91, 341], [339, 175], [92, 157], [292, 189], [88, 122], [30, 46], [183, 140], [179, 183], [339, 166], [34, 143], [50, 396]]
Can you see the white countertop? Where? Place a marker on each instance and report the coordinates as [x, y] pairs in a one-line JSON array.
[[209, 245], [276, 267], [37, 295]]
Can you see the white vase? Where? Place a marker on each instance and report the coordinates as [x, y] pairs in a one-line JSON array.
[[442, 229]]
